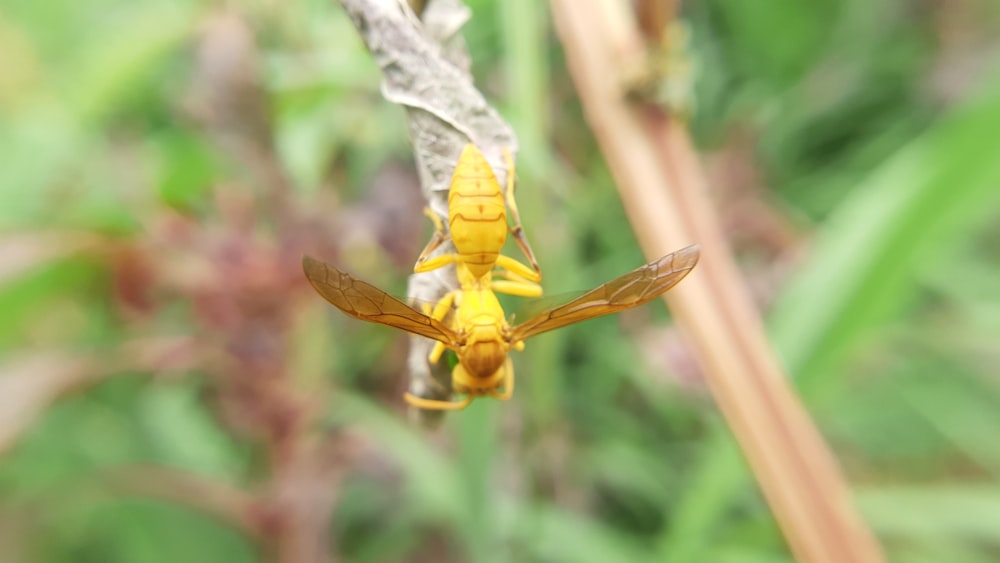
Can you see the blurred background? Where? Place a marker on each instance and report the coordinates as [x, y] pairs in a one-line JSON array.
[[172, 390]]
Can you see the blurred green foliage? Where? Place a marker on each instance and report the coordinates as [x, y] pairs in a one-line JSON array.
[[870, 133]]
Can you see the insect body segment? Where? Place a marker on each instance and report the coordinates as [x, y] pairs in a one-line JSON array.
[[477, 222], [477, 214]]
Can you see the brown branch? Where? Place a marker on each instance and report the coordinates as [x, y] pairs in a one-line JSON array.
[[663, 190]]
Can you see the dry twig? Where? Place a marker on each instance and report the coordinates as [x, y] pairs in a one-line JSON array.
[[663, 189]]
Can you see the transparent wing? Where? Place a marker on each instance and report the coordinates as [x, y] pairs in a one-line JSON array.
[[633, 289], [369, 303]]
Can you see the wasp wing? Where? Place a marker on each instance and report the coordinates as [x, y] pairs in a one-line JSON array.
[[369, 303], [633, 289]]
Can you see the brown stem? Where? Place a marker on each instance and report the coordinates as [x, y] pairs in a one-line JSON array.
[[663, 190]]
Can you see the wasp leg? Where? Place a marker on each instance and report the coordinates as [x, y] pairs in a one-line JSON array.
[[517, 230], [514, 284], [439, 312], [508, 382], [428, 264], [435, 405], [437, 240], [520, 289], [435, 356], [515, 268]]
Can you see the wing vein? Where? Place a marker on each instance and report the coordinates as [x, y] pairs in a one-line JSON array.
[[364, 301]]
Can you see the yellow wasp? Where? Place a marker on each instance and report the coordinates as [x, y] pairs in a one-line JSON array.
[[478, 331], [480, 334], [478, 228]]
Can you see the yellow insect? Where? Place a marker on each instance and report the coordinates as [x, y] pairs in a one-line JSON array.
[[478, 227], [480, 334], [478, 330]]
